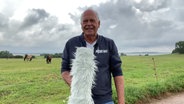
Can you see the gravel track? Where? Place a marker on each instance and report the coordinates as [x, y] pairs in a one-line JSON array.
[[173, 99]]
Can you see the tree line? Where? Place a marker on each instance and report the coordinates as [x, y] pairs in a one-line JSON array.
[[56, 55], [179, 47], [7, 54]]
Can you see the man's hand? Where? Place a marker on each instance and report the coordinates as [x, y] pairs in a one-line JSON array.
[[67, 78], [119, 83]]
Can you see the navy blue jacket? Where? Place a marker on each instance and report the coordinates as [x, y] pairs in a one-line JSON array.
[[108, 62]]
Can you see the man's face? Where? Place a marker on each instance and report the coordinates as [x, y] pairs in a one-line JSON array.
[[90, 23]]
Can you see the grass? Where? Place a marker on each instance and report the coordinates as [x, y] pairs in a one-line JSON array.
[[39, 83], [140, 81], [31, 82]]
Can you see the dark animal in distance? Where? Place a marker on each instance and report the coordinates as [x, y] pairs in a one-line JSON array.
[[48, 59], [28, 57]]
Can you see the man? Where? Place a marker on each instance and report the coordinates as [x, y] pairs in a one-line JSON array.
[[108, 60]]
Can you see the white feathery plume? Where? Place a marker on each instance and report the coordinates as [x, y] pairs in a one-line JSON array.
[[83, 75]]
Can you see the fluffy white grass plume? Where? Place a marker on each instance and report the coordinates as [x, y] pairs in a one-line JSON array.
[[83, 75]]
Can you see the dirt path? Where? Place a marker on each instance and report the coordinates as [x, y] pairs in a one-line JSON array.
[[173, 99]]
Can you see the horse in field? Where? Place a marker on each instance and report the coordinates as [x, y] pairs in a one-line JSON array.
[[48, 59], [28, 57]]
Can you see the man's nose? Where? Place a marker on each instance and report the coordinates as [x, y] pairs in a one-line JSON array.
[[89, 23]]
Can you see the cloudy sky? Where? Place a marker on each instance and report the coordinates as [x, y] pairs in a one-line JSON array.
[[44, 26]]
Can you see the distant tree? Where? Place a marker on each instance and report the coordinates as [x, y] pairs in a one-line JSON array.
[[17, 56], [179, 47], [146, 54], [57, 55], [43, 54], [5, 54], [122, 54]]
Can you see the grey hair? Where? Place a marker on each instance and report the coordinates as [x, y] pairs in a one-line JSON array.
[[91, 10]]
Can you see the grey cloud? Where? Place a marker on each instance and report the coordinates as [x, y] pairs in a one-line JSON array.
[[75, 18], [3, 22], [145, 6], [34, 16], [131, 25], [177, 3], [38, 32], [9, 7], [179, 14], [147, 28]]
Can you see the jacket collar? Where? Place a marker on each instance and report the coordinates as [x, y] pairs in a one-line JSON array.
[[84, 42]]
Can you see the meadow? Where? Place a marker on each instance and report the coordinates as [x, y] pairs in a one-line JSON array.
[[39, 83]]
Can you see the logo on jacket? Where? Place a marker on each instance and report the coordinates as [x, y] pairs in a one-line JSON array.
[[101, 51]]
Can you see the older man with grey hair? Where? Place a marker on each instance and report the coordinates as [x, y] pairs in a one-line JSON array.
[[107, 57]]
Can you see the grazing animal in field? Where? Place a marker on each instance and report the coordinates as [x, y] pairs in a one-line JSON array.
[[48, 59], [83, 75], [28, 57]]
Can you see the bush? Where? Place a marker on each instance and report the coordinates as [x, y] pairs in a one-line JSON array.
[[179, 47], [5, 54], [18, 56], [146, 55]]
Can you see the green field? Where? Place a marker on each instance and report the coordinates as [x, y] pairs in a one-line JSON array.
[[39, 83]]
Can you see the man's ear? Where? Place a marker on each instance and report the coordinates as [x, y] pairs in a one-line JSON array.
[[81, 25], [98, 24]]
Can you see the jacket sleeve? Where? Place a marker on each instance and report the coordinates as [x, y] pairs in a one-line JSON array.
[[115, 61], [65, 65]]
